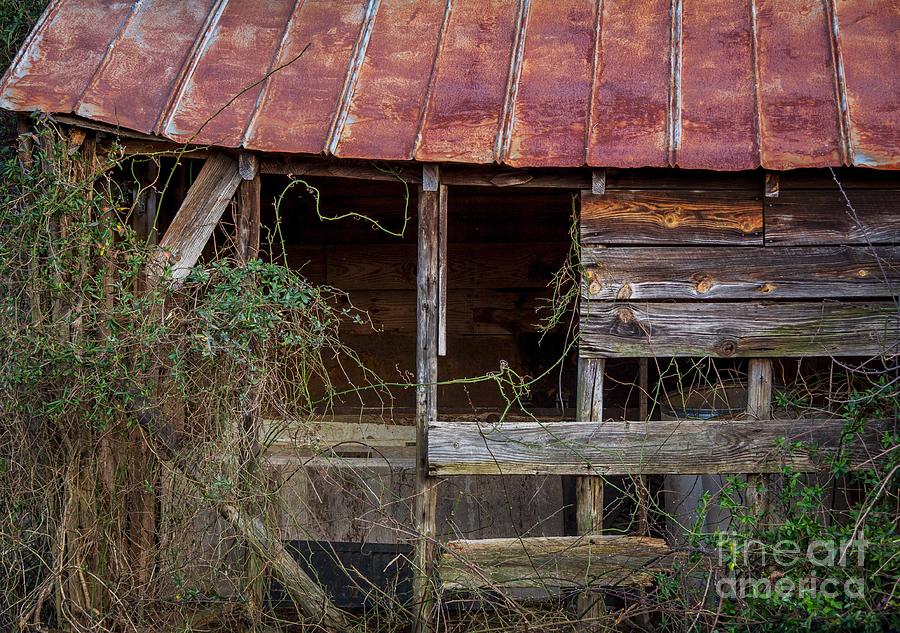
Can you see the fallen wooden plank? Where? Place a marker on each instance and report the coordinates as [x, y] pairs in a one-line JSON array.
[[197, 217], [552, 562], [688, 272], [672, 217], [646, 448], [799, 217], [764, 329]]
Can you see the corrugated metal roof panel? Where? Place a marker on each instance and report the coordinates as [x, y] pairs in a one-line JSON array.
[[629, 120], [147, 47], [387, 101], [716, 84], [470, 82], [869, 43], [553, 93], [718, 97]]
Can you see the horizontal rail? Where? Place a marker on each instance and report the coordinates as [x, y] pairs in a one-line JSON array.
[[552, 562], [645, 448]]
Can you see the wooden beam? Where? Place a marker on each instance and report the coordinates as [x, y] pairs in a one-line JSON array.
[[759, 407], [598, 182], [747, 329], [443, 267], [431, 177], [817, 217], [678, 447], [248, 165], [426, 402], [644, 217], [589, 489], [553, 563], [772, 187], [25, 143], [248, 210], [197, 217], [340, 168], [690, 272]]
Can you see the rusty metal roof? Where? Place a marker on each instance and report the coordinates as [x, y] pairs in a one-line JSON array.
[[711, 84]]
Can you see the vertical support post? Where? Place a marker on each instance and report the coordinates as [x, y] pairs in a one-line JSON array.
[[589, 489], [248, 230], [248, 208], [427, 288], [759, 406], [643, 413]]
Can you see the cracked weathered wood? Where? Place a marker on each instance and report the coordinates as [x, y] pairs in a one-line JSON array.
[[553, 563], [671, 217], [691, 273], [678, 447], [745, 329], [197, 217]]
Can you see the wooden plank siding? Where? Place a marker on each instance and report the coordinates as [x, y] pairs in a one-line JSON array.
[[739, 329], [733, 273], [647, 217], [691, 273], [647, 448]]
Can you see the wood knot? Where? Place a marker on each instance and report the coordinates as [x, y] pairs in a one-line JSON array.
[[595, 288], [862, 272], [767, 287], [624, 292], [726, 348], [704, 284], [624, 315], [670, 220], [748, 227]]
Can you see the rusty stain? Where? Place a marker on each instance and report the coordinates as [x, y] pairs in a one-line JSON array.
[[721, 84]]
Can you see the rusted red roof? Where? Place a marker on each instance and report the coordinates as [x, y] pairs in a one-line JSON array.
[[713, 84]]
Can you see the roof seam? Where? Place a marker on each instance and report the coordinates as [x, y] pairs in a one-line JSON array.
[[53, 7], [168, 113], [673, 135], [351, 78], [840, 86], [112, 43], [426, 102], [270, 70], [595, 69], [508, 113], [757, 97]]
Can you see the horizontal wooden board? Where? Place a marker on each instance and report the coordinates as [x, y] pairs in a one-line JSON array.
[[799, 217], [645, 448], [751, 273], [552, 562], [645, 217], [738, 329]]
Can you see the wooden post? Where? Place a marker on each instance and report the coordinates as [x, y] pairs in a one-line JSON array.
[[589, 489], [643, 413], [249, 204], [759, 406], [430, 203]]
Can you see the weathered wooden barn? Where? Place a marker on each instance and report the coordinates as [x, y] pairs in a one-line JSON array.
[[729, 163]]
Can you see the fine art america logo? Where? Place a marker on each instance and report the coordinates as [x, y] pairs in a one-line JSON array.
[[830, 565]]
